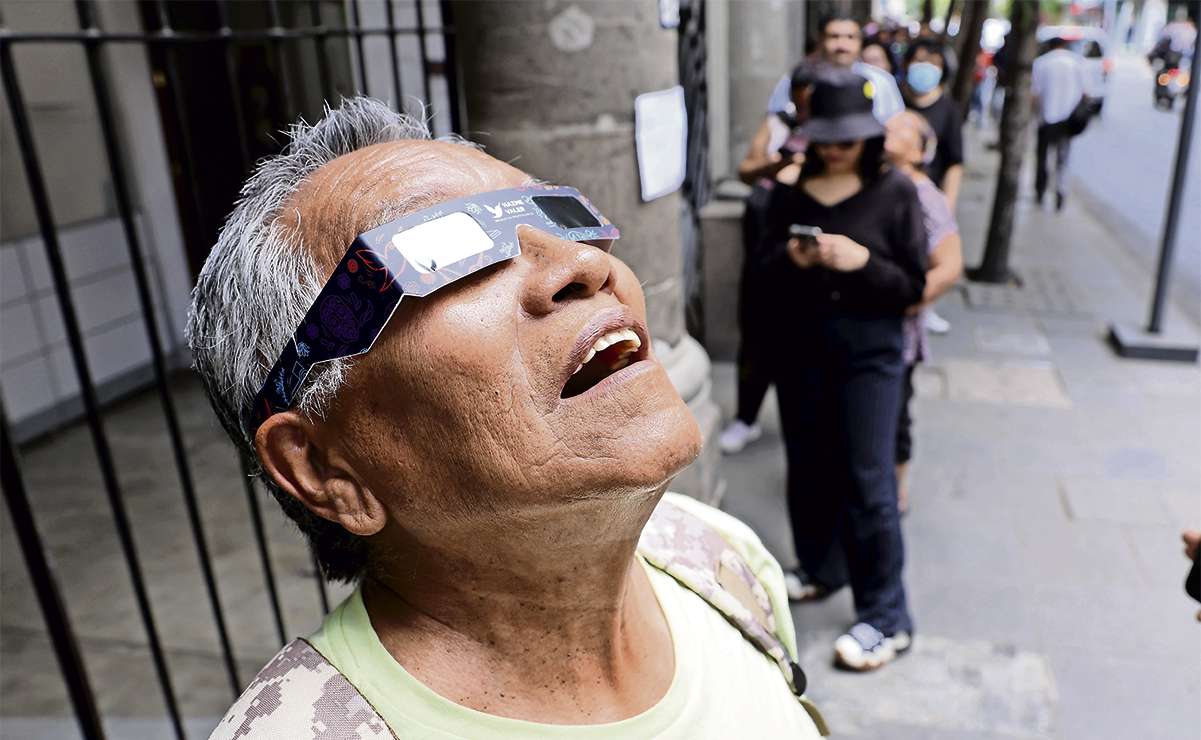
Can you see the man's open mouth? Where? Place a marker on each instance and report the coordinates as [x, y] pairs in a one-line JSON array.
[[608, 354]]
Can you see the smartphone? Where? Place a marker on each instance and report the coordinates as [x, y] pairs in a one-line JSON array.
[[807, 234]]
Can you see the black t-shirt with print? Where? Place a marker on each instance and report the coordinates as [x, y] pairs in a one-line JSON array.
[[944, 119]]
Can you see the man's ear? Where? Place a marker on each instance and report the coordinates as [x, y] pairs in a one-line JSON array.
[[297, 453]]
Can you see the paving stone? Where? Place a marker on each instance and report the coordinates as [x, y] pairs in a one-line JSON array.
[[1115, 501], [972, 606], [1010, 341], [1115, 618], [1102, 697], [1005, 382], [951, 685]]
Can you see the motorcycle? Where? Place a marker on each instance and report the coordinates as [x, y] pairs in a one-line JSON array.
[[1171, 74]]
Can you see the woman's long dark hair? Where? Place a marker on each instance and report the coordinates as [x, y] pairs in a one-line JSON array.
[[871, 162]]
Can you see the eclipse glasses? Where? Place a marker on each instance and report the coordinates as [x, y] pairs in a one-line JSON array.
[[416, 255]]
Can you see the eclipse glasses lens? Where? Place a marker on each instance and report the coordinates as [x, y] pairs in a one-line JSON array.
[[416, 255]]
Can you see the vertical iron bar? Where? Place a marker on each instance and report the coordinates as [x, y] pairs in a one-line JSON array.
[[41, 201], [188, 160], [322, 51], [231, 72], [321, 590], [358, 40], [66, 649], [125, 208], [391, 15], [189, 173], [1163, 275], [281, 61], [450, 69], [260, 539], [425, 61], [247, 481]]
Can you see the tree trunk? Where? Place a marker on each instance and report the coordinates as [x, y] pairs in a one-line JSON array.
[[1015, 119], [971, 27], [946, 22]]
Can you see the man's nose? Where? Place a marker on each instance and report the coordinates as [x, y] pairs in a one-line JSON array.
[[561, 271]]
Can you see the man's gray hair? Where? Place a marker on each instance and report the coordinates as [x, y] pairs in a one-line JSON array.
[[258, 282]]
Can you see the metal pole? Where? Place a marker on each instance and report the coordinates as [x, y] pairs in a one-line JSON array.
[[66, 649], [87, 390], [1163, 276], [425, 59], [125, 208], [398, 104], [358, 42], [321, 50], [451, 69], [260, 539], [231, 74]]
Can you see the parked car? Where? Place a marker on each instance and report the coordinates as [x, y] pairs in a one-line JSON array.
[[1093, 45]]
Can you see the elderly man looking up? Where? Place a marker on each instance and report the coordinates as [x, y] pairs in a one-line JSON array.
[[485, 464]]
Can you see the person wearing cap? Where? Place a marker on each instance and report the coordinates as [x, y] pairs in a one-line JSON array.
[[445, 378], [775, 153], [841, 299]]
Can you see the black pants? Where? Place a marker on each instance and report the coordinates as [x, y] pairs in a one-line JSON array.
[[904, 420], [1053, 135], [755, 318], [839, 400]]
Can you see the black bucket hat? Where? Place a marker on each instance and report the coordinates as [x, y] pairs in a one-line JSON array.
[[840, 109]]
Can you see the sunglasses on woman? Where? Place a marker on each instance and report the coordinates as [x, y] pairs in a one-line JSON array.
[[839, 144]]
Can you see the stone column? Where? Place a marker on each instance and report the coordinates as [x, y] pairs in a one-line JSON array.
[[765, 41], [550, 87]]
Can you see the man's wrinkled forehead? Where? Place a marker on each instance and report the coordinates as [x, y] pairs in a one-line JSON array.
[[359, 191]]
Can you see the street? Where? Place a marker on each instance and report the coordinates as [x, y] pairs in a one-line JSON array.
[[1126, 160]]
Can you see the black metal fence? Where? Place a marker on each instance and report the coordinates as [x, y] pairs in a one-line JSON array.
[[695, 190], [227, 75]]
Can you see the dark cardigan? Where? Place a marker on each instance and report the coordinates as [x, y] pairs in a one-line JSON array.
[[885, 216]]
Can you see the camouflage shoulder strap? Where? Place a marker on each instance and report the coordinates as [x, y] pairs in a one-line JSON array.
[[701, 560], [301, 696]]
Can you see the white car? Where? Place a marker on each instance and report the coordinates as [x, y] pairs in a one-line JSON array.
[[1090, 43]]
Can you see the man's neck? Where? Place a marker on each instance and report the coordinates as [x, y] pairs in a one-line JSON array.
[[531, 626]]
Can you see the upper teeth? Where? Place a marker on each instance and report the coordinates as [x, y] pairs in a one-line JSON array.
[[608, 340]]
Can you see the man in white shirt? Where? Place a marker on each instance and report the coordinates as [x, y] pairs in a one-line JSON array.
[[1058, 86], [841, 45]]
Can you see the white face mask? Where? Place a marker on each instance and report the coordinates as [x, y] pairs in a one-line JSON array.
[[923, 77]]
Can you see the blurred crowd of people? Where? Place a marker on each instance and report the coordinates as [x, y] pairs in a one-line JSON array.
[[850, 237]]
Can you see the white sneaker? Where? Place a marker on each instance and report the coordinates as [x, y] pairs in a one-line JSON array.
[[936, 324], [799, 590], [736, 435], [865, 648]]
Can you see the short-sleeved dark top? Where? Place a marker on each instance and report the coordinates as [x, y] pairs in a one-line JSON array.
[[885, 217], [944, 119]]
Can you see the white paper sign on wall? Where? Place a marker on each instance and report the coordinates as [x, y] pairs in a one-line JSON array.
[[661, 138]]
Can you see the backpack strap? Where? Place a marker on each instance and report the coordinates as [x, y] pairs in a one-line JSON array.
[[300, 695], [695, 554]]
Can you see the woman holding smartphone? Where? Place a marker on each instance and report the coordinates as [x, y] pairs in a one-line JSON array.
[[841, 294]]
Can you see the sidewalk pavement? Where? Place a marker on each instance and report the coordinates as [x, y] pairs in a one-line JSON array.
[[1050, 483]]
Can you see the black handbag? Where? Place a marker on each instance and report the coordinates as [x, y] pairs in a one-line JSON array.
[[1079, 118]]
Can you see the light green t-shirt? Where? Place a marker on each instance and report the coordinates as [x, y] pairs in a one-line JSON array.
[[723, 686]]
